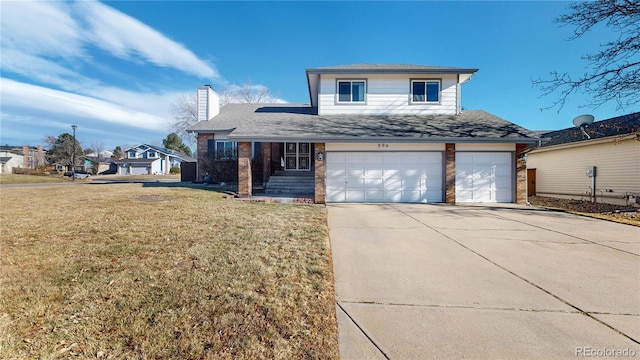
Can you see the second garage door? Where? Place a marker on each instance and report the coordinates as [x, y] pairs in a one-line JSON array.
[[484, 177], [384, 177]]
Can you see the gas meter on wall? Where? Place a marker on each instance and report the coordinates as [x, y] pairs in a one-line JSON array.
[[591, 171]]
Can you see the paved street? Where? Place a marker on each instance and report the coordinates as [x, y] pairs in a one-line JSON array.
[[437, 281]]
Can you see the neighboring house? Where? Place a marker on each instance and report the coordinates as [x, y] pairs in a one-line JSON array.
[[23, 157], [371, 133], [569, 163], [147, 159]]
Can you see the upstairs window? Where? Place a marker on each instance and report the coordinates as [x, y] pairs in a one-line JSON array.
[[132, 154], [152, 155], [425, 91], [351, 91]]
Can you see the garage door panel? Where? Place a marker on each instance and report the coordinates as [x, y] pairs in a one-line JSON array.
[[393, 184], [335, 172], [434, 182], [373, 173], [484, 177], [392, 172], [411, 159], [355, 183], [374, 183], [384, 177], [373, 158], [374, 195], [335, 183], [391, 158], [354, 158], [355, 196]]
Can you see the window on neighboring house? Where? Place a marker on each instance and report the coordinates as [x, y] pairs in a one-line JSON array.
[[351, 91], [132, 155], [226, 149], [425, 91], [152, 155]]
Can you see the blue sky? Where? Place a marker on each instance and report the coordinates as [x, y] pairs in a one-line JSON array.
[[115, 68]]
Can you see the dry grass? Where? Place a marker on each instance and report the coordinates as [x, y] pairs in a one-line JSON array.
[[31, 179], [126, 271]]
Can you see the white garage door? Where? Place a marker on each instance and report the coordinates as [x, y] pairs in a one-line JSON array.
[[384, 177], [484, 177]]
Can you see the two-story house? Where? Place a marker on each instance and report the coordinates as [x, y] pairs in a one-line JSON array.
[[145, 159], [372, 133]]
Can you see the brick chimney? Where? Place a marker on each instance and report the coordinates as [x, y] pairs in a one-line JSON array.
[[208, 103]]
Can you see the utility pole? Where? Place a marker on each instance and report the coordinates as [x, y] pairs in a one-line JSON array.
[[73, 157]]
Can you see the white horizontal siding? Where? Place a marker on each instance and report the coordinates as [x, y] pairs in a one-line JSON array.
[[387, 94], [563, 171]]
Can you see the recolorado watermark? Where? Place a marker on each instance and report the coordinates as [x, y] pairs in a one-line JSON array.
[[588, 352]]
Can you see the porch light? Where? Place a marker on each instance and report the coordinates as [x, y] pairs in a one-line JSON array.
[[320, 156]]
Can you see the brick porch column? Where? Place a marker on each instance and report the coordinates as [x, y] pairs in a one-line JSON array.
[[266, 161], [450, 173], [320, 188], [244, 169], [521, 175], [202, 154]]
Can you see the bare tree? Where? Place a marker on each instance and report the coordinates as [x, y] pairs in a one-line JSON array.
[[247, 93], [613, 74], [185, 114], [185, 108], [97, 150]]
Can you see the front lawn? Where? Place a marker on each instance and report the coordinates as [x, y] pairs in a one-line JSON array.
[[127, 271]]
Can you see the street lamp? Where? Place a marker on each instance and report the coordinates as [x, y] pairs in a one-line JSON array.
[[73, 157]]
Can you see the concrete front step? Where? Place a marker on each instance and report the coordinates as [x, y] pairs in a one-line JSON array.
[[294, 173], [282, 180], [291, 182]]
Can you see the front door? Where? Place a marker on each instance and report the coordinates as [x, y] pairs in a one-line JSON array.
[[297, 156]]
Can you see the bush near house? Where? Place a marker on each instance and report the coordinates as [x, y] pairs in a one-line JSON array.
[[197, 277], [174, 170]]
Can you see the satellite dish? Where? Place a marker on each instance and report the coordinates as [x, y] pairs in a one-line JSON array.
[[583, 120]]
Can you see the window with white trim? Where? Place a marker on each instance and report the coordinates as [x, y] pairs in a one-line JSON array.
[[425, 91], [226, 149], [351, 91], [152, 154], [132, 154]]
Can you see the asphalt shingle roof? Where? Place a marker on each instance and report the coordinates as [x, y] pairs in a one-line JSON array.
[[300, 122], [621, 125]]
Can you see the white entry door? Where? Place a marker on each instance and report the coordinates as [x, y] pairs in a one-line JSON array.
[[484, 177], [384, 177]]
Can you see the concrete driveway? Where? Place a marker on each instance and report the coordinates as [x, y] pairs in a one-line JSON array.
[[505, 282]]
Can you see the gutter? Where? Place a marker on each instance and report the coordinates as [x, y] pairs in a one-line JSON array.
[[391, 71], [374, 139]]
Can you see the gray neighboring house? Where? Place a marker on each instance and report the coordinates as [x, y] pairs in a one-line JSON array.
[[371, 133], [569, 163]]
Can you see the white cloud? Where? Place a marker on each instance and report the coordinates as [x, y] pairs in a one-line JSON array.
[[43, 70], [37, 98], [41, 28], [128, 38], [55, 30]]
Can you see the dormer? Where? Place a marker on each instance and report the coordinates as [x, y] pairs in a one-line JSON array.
[[381, 89]]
